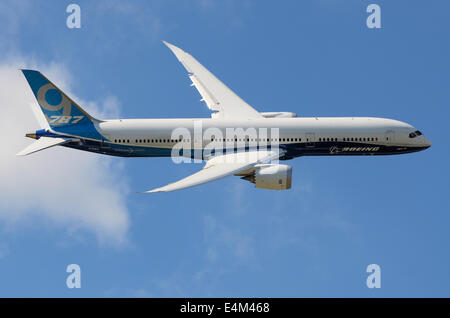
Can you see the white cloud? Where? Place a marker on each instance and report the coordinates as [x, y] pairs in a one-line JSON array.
[[73, 189]]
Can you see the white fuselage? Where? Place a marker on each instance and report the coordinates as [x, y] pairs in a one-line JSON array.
[[321, 127], [301, 136]]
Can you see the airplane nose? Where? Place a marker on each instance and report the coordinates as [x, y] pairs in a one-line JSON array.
[[426, 142]]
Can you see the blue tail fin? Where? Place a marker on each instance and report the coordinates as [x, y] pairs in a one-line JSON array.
[[62, 114]]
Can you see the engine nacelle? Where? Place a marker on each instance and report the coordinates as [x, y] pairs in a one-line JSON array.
[[278, 114], [273, 177]]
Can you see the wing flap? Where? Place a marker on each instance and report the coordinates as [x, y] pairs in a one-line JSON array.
[[207, 97]]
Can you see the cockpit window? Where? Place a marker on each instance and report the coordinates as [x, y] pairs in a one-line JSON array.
[[415, 134]]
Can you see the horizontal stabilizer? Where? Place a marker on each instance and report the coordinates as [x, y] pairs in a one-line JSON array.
[[43, 143]]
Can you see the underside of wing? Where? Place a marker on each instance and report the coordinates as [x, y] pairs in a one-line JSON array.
[[220, 167], [218, 97]]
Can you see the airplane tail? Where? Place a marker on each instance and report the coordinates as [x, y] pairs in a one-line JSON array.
[[61, 113]]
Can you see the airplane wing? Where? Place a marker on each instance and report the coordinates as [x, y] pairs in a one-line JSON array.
[[218, 97], [220, 167], [43, 143]]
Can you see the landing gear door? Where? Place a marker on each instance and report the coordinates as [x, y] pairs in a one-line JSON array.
[[390, 137], [310, 139]]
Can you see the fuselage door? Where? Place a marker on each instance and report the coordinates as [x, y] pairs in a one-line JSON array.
[[310, 139], [390, 137]]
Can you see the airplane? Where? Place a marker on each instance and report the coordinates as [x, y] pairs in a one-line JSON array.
[[241, 141]]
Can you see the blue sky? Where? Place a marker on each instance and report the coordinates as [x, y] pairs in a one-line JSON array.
[[225, 239]]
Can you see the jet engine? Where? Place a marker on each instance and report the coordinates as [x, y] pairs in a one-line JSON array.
[[270, 176]]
